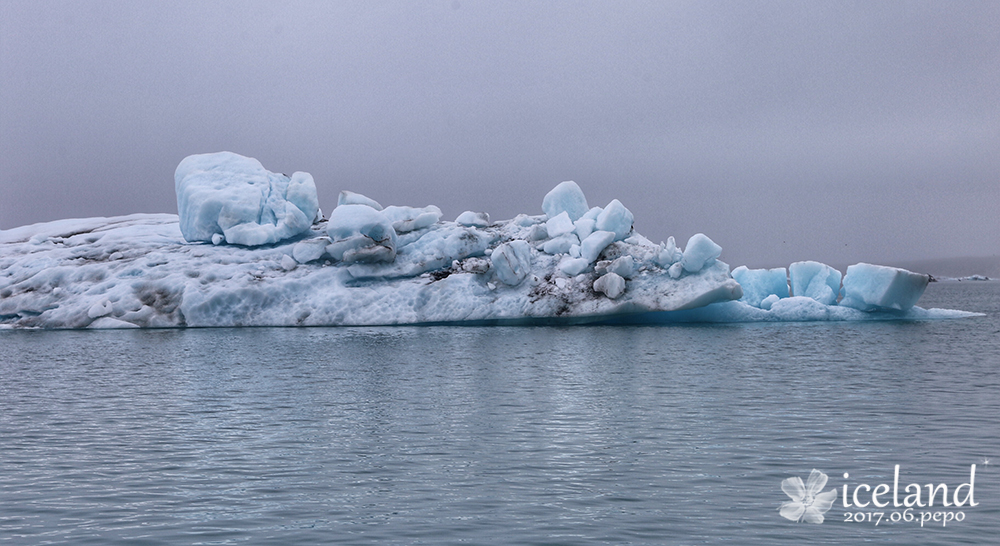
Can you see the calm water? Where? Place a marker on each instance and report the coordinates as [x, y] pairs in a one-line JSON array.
[[535, 435]]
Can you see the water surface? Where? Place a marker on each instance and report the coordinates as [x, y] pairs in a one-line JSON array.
[[512, 435]]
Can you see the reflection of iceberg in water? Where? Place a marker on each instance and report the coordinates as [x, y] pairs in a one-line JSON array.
[[370, 265]]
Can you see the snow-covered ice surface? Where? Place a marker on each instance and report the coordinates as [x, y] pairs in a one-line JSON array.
[[138, 270], [369, 265]]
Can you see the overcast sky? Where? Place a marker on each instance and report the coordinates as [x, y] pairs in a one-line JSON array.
[[785, 131]]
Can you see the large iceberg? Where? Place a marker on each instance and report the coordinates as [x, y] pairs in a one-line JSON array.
[[369, 265], [138, 270]]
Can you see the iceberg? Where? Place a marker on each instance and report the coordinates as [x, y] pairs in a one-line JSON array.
[[138, 270], [369, 265]]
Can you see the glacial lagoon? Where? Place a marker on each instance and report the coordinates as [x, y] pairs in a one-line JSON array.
[[509, 435]]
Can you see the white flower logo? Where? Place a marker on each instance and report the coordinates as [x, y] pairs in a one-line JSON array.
[[807, 503]]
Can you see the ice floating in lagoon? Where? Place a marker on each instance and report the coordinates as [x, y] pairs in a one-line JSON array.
[[400, 265]]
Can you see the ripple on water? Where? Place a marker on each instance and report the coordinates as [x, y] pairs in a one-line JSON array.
[[587, 435]]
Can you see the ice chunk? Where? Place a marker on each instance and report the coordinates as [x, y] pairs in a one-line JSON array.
[[428, 249], [361, 234], [512, 262], [573, 266], [815, 280], [615, 218], [584, 227], [759, 284], [611, 284], [623, 266], [110, 324], [592, 246], [592, 214], [405, 219], [561, 244], [476, 219], [800, 309], [769, 301], [876, 287], [669, 254], [310, 249], [475, 265], [234, 196], [351, 198], [538, 233], [559, 224], [566, 197], [699, 253], [525, 220], [288, 263], [99, 309]]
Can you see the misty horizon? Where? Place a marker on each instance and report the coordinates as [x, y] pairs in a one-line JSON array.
[[783, 131]]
